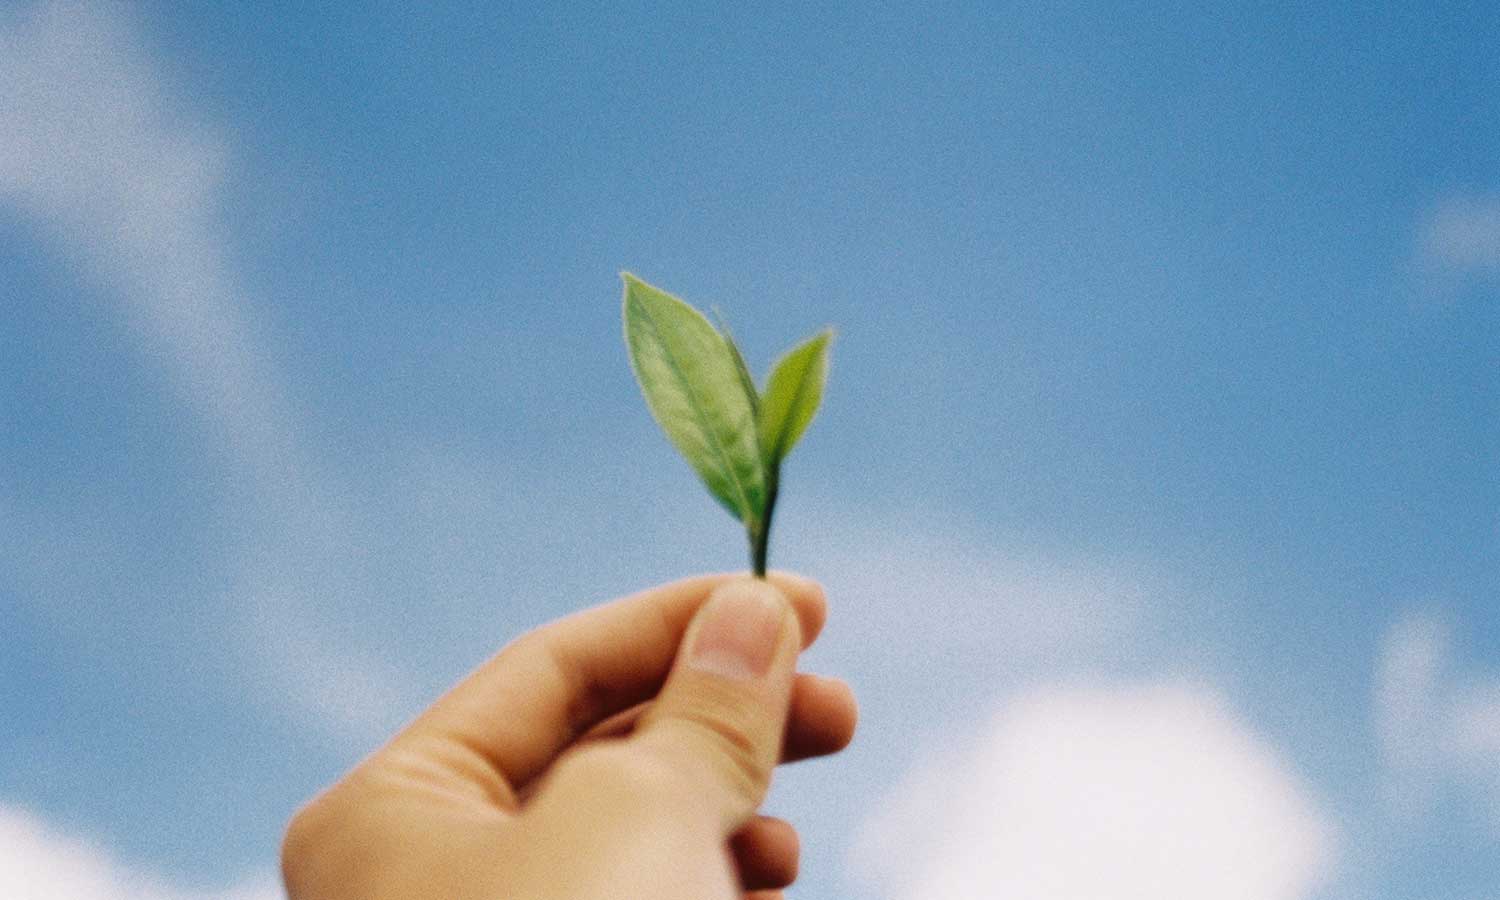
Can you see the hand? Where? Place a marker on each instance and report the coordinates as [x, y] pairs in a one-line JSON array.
[[621, 752]]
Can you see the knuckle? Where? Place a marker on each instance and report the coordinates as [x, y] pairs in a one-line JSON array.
[[300, 844], [729, 748], [541, 654], [334, 833], [323, 828]]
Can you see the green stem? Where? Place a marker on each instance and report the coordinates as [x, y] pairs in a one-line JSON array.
[[760, 537]]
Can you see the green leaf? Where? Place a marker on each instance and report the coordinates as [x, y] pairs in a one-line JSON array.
[[694, 387], [739, 362], [793, 392]]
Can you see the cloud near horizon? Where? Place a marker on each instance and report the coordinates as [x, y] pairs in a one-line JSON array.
[[41, 862], [1145, 792]]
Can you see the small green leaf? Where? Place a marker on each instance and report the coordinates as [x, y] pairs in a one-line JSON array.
[[695, 389], [793, 392]]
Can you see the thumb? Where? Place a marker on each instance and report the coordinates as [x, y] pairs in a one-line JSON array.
[[720, 717]]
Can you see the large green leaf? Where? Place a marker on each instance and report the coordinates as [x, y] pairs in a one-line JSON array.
[[793, 392], [739, 363], [693, 385]]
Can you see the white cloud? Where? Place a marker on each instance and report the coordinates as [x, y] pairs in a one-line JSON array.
[[1102, 794], [39, 862], [1438, 728], [99, 151]]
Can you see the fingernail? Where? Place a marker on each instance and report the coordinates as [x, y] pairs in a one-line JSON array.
[[739, 630]]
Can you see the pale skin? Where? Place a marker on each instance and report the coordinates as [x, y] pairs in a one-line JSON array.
[[623, 751]]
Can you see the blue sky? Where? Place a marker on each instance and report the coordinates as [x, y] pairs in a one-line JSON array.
[[1163, 415]]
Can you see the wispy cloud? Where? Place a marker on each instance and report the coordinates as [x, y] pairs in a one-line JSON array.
[[1438, 727], [1457, 247], [41, 862], [1152, 791], [123, 173], [1411, 674], [992, 608], [100, 150]]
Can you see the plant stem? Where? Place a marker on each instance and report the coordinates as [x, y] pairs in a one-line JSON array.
[[760, 537]]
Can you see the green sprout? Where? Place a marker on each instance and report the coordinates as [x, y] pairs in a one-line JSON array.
[[702, 395]]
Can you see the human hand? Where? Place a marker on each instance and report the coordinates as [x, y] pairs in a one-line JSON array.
[[621, 752]]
